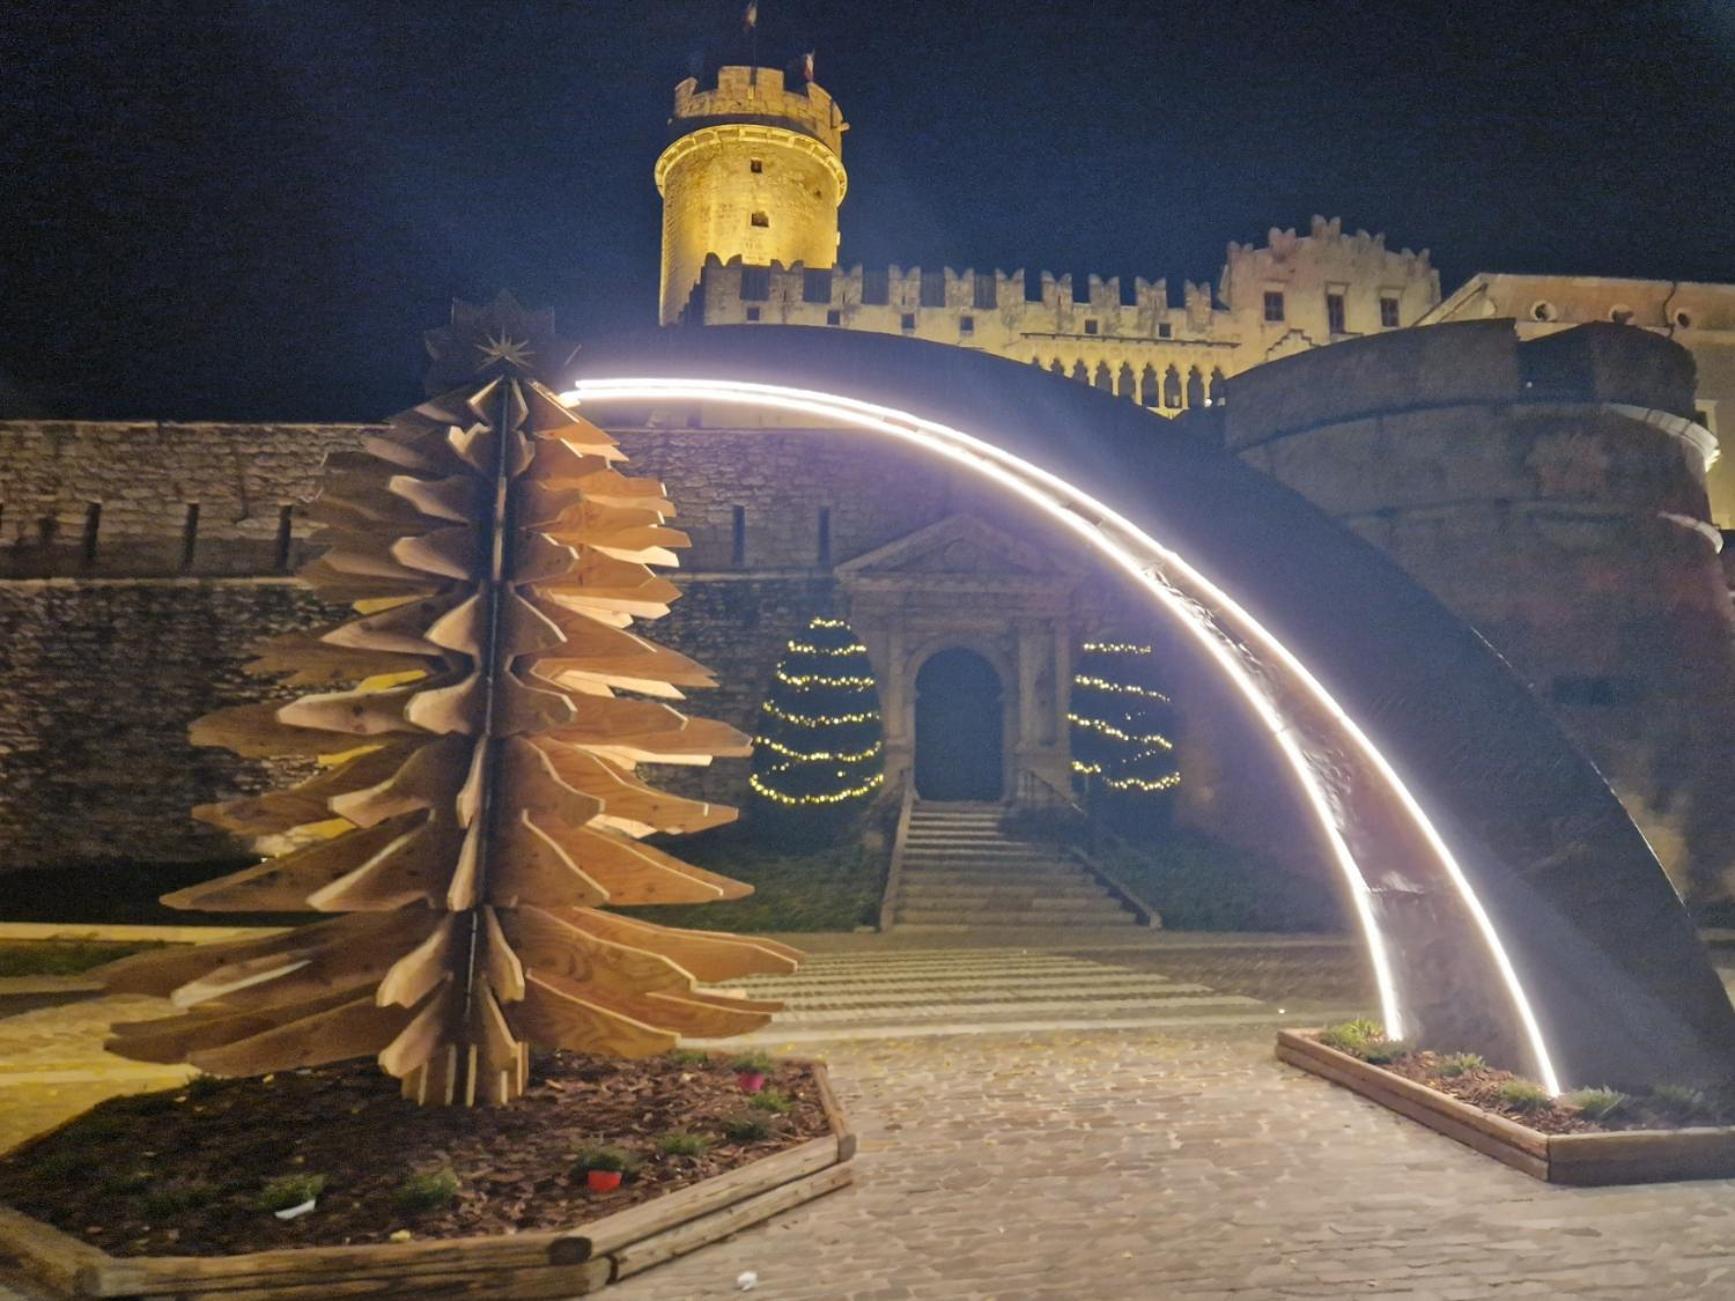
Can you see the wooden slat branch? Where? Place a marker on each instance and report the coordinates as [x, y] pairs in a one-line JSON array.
[[477, 801]]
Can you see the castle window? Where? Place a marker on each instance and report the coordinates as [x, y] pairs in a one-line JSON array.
[[1334, 314], [834, 317], [1388, 312], [1056, 367], [876, 288], [1195, 388], [1273, 305], [816, 286], [1129, 387], [907, 321], [1543, 310], [760, 219], [1684, 320], [1104, 377], [1172, 389], [933, 289], [1215, 394], [755, 284], [825, 537], [986, 296], [1090, 327], [285, 538], [752, 313], [966, 325], [738, 536], [756, 165], [1621, 315], [1165, 330], [1149, 389], [1081, 372]]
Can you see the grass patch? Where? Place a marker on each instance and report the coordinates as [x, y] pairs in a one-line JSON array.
[[774, 1101], [1197, 883], [1452, 1065], [290, 1190], [755, 1063], [1596, 1104], [429, 1190], [1524, 1096], [747, 1128], [824, 888], [608, 1158], [1352, 1037], [61, 957], [689, 1057], [1678, 1103], [678, 1142]]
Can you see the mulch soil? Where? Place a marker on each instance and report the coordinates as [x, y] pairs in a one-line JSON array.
[[1480, 1087], [181, 1172]]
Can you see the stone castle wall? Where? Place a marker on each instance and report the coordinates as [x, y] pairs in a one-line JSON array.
[[1552, 493]]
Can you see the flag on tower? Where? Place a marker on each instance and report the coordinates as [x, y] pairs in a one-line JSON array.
[[750, 19], [807, 65]]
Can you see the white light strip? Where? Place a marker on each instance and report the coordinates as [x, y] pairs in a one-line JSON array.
[[1092, 520]]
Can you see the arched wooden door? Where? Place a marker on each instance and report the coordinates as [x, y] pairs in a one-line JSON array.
[[960, 742]]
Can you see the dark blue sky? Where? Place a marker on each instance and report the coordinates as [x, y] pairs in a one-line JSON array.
[[251, 209]]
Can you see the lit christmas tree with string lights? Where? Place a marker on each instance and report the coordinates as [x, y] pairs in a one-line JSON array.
[[1122, 749], [819, 753]]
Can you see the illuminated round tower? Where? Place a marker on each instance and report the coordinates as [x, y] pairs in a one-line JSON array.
[[755, 171]]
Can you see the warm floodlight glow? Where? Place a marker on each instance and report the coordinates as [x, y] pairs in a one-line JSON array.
[[1151, 565]]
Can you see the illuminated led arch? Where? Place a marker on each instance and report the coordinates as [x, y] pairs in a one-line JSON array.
[[1412, 898]]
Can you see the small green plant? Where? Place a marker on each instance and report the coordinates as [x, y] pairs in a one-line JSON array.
[[174, 1198], [689, 1057], [1678, 1102], [747, 1128], [281, 1193], [1522, 1095], [1352, 1037], [606, 1158], [1596, 1104], [1452, 1065], [751, 1064], [1382, 1052], [678, 1142], [427, 1190], [773, 1100]]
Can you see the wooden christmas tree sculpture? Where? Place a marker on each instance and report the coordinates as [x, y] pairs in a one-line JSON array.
[[476, 799]]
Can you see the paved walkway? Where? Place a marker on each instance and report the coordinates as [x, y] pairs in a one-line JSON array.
[[1099, 1117]]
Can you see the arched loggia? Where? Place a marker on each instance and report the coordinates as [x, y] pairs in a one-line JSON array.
[[1474, 941]]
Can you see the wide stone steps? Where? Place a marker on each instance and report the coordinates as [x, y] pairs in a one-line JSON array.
[[942, 992], [958, 871]]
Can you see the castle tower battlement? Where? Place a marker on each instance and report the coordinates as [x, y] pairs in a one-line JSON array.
[[754, 171]]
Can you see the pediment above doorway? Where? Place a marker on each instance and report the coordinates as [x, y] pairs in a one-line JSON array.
[[960, 550]]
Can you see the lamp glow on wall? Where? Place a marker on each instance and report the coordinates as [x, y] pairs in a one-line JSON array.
[[1365, 812]]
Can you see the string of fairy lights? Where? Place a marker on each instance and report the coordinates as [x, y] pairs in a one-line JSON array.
[[819, 744], [1118, 718]]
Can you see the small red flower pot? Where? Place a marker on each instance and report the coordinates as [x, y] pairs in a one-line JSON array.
[[602, 1181], [751, 1081]]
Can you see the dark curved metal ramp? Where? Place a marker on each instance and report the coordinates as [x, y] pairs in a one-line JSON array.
[[1592, 930]]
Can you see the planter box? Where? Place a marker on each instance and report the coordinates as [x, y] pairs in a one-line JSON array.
[[546, 1263], [1637, 1156]]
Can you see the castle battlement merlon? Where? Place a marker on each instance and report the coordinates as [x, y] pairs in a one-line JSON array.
[[759, 95]]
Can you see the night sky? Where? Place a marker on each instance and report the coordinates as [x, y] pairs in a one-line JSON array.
[[252, 210]]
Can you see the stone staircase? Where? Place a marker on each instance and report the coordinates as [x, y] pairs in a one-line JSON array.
[[958, 870]]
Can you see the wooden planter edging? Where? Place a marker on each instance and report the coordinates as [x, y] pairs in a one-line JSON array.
[[543, 1264], [1636, 1156]]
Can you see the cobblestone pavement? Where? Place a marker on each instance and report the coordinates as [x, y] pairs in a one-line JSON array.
[[1077, 1152], [1163, 1163]]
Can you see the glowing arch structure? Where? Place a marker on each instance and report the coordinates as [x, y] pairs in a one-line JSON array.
[[1507, 902]]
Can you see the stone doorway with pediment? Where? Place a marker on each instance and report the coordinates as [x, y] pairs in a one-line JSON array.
[[964, 584]]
